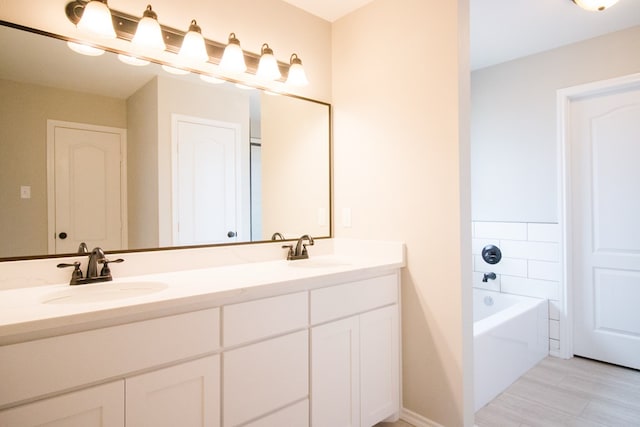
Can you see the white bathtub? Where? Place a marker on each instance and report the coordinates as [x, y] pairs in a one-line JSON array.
[[510, 336]]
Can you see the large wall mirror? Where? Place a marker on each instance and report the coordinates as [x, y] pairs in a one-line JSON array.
[[131, 158]]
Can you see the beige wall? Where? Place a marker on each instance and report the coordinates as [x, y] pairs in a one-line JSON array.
[[142, 166], [401, 165], [24, 111], [513, 123], [295, 158]]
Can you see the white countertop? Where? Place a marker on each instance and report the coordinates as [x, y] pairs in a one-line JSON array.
[[25, 316]]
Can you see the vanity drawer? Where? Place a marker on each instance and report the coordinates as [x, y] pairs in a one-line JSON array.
[[255, 320], [51, 365], [345, 300]]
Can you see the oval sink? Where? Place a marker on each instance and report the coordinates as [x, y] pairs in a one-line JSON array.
[[107, 291]]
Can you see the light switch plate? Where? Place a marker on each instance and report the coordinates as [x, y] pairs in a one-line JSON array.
[[25, 191]]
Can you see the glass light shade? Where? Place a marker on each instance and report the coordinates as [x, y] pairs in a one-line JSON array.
[[193, 49], [132, 60], [268, 65], [233, 58], [149, 34], [211, 79], [297, 76], [84, 49], [595, 5], [96, 20]]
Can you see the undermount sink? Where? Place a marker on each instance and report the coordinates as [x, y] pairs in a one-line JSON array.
[[106, 291], [317, 263]]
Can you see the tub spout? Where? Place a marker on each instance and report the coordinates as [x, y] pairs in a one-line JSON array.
[[488, 276]]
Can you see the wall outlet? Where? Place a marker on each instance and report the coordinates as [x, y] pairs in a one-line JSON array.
[[25, 191]]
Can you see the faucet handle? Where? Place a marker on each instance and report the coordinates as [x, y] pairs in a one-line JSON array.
[[290, 253], [106, 271], [77, 273]]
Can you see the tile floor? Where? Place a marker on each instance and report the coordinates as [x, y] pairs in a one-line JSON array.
[[574, 392]]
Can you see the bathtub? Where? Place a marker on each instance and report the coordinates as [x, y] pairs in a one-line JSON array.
[[510, 336]]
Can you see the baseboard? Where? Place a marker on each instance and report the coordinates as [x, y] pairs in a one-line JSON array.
[[416, 419]]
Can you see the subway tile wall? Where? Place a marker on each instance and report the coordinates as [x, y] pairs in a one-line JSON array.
[[530, 264]]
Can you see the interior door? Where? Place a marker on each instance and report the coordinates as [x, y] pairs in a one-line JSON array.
[[206, 188], [605, 164], [87, 191]]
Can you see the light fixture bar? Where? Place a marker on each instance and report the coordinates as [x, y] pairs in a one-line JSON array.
[[126, 25]]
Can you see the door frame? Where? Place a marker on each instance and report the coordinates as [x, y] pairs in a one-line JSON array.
[[564, 99], [237, 128], [51, 198]]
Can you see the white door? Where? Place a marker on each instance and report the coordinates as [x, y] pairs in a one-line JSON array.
[[206, 183], [87, 175], [605, 177], [186, 395]]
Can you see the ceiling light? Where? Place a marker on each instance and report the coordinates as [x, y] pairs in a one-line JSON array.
[[268, 65], [595, 5], [193, 49], [96, 19], [84, 49], [148, 33], [297, 76], [233, 58], [132, 60]]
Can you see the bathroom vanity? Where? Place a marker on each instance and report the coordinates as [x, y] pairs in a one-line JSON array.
[[273, 343]]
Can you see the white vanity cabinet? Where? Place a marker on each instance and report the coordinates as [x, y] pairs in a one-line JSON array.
[[266, 362], [100, 406], [355, 359]]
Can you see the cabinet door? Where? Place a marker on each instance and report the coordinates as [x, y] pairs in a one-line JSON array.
[[379, 365], [101, 406], [185, 395], [263, 377], [335, 360]]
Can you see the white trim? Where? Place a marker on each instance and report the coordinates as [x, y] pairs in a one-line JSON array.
[[564, 98], [51, 198], [416, 419], [237, 128]]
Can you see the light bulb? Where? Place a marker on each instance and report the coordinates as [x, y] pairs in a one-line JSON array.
[[96, 19], [233, 58], [193, 49], [268, 65], [297, 76]]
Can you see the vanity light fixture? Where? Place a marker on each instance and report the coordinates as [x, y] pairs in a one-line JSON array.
[[233, 58], [595, 5], [268, 65], [96, 20], [149, 40], [149, 34], [297, 76], [193, 49]]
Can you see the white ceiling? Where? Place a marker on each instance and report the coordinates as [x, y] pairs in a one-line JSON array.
[[502, 30]]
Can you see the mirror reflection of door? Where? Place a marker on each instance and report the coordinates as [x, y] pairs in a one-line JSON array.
[[87, 196], [206, 183]]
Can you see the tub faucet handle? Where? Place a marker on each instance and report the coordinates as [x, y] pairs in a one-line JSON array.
[[488, 276]]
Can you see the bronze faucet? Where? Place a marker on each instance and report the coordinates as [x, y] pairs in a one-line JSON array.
[[95, 257]]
